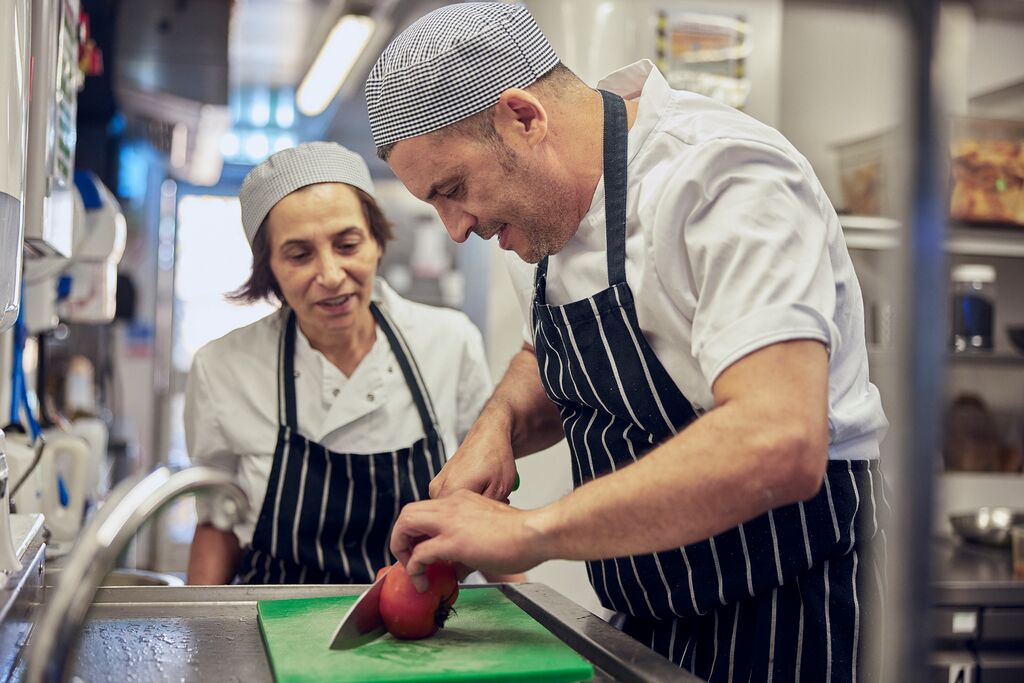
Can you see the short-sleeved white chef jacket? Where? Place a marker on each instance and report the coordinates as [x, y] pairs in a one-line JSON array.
[[731, 245], [231, 407]]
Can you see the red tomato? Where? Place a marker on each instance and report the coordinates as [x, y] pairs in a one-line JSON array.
[[443, 582], [409, 614], [381, 571]]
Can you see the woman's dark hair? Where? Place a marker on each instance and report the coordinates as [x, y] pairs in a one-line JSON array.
[[261, 283]]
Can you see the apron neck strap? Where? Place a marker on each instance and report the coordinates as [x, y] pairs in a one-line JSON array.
[[616, 141], [616, 144], [411, 372], [286, 413]]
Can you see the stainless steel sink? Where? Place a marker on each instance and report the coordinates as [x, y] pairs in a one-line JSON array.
[[122, 577], [211, 633]]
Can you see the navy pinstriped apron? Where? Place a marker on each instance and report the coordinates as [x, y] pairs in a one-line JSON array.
[[327, 516], [790, 595]]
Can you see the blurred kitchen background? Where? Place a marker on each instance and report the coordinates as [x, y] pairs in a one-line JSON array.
[[168, 103]]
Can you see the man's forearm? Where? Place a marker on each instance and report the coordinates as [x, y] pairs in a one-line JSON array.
[[764, 446], [703, 481], [520, 406], [213, 557]]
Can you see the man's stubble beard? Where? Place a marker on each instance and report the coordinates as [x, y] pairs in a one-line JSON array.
[[547, 223]]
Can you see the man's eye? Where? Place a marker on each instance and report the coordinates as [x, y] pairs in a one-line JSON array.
[[454, 192]]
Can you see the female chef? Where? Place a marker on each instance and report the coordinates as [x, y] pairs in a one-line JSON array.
[[338, 409]]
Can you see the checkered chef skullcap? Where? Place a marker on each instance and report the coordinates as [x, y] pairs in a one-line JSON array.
[[451, 64], [291, 169]]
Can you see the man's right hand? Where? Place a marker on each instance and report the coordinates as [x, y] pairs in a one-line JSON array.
[[484, 464], [518, 420]]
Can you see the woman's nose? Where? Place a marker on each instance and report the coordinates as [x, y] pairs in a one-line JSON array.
[[330, 271]]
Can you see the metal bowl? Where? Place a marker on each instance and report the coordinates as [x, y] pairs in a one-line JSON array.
[[989, 526]]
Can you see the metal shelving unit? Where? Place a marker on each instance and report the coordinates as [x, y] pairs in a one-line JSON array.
[[877, 233], [870, 232], [997, 358], [985, 241], [978, 358]]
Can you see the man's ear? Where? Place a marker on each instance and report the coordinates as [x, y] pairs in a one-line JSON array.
[[519, 117]]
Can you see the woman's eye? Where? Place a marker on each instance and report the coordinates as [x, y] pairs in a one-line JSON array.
[[297, 256], [349, 247]]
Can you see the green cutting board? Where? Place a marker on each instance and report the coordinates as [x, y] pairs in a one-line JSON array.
[[488, 639]]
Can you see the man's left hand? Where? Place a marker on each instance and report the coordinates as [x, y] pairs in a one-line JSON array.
[[468, 528]]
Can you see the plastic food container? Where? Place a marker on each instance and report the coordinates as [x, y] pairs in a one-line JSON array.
[[867, 169], [987, 167]]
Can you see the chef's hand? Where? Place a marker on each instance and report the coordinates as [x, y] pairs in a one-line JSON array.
[[483, 464], [467, 528]]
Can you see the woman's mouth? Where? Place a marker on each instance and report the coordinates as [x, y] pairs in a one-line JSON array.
[[338, 304]]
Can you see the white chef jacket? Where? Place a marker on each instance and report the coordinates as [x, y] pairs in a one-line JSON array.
[[231, 407], [731, 245]]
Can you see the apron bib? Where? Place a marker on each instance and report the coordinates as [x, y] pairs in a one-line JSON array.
[[752, 602], [327, 516]]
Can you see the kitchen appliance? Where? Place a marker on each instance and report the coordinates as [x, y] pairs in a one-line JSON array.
[[54, 482], [99, 240], [66, 468], [43, 281], [9, 561], [56, 79], [80, 286], [14, 84], [488, 639], [26, 488]]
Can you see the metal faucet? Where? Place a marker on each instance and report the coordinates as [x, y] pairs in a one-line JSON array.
[[54, 640]]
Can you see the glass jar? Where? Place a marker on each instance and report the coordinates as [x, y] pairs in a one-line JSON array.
[[973, 303]]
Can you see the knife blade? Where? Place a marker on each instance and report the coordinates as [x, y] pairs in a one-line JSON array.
[[362, 623]]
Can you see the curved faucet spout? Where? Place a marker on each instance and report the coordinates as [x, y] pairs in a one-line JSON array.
[[54, 640]]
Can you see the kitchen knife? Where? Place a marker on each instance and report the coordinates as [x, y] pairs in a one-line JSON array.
[[362, 623]]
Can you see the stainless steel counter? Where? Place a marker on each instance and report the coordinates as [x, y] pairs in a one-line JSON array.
[[148, 634], [977, 615], [971, 574], [21, 591], [143, 634]]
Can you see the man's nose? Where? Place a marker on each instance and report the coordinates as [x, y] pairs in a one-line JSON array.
[[458, 223]]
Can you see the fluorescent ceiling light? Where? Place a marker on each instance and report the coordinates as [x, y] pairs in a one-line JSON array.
[[336, 58]]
